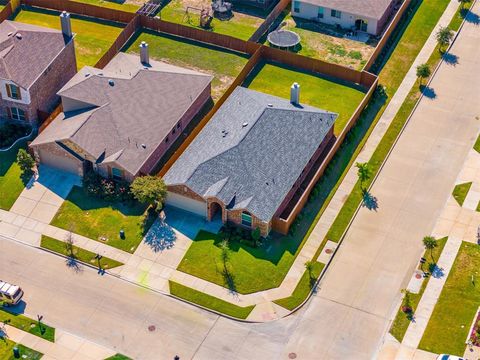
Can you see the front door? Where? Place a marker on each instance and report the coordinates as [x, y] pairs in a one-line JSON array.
[[361, 25], [87, 167]]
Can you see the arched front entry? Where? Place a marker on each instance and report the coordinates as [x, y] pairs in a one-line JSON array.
[[215, 211], [361, 25]]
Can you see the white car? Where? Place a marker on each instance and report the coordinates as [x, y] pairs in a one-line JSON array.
[[10, 294], [448, 357]]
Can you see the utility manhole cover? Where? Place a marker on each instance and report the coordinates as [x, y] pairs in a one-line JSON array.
[[328, 251], [292, 356], [418, 276], [151, 328]]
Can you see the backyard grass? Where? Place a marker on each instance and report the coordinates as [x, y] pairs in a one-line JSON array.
[[96, 218], [223, 64], [92, 38], [11, 184], [303, 288], [326, 43], [460, 192], [81, 255], [315, 91], [242, 25], [26, 324], [6, 351], [476, 146], [210, 302], [112, 4], [448, 327], [118, 357], [402, 320]]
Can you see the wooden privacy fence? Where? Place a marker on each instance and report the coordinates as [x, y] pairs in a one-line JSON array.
[[6, 12], [269, 20], [82, 9], [49, 119], [381, 46]]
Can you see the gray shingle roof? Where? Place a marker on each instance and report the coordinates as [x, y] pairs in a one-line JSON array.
[[26, 51], [140, 107], [252, 151], [368, 8]]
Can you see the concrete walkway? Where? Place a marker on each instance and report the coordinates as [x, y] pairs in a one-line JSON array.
[[66, 346]]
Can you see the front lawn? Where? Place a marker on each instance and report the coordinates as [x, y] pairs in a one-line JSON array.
[[96, 218], [455, 310], [26, 324], [6, 351], [11, 183], [129, 6], [118, 357], [80, 254], [251, 269], [315, 91], [92, 38], [223, 64], [209, 301], [460, 192], [303, 288]]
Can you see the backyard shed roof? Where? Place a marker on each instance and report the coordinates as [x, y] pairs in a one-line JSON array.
[[252, 151], [27, 50], [368, 8]]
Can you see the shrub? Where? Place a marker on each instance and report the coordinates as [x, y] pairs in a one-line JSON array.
[[25, 161], [149, 190], [106, 189], [9, 133]]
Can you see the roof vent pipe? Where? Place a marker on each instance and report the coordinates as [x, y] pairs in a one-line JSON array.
[[295, 94], [66, 24], [144, 53]]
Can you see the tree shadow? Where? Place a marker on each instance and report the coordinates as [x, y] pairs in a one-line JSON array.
[[428, 91], [470, 17], [450, 59], [435, 271], [161, 236], [73, 264], [229, 281], [369, 201]]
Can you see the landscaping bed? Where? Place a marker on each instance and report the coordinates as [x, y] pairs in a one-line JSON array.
[[80, 254], [26, 324], [92, 37], [460, 192], [242, 25], [101, 220], [210, 302], [11, 183], [11, 132], [449, 324], [325, 42], [6, 351], [223, 64], [321, 92]]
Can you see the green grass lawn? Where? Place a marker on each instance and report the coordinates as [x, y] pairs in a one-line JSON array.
[[303, 288], [112, 4], [241, 25], [118, 357], [315, 90], [223, 64], [476, 146], [208, 301], [80, 254], [448, 327], [92, 39], [460, 192], [26, 324], [11, 184], [96, 218], [401, 321], [6, 351]]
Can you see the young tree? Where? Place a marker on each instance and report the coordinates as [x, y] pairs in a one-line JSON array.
[[423, 72], [149, 190], [309, 267], [463, 2], [406, 302], [69, 245], [430, 243], [256, 236], [25, 161], [444, 36], [225, 254], [363, 172]]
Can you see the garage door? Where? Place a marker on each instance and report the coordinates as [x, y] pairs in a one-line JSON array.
[[59, 162], [185, 203]]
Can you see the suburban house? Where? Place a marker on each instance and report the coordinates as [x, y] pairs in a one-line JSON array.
[[369, 16], [35, 63], [121, 120], [249, 160]]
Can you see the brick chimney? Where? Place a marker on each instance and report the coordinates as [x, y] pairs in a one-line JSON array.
[[295, 94], [144, 58], [66, 24]]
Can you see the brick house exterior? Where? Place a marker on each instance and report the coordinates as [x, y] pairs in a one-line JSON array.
[[24, 97]]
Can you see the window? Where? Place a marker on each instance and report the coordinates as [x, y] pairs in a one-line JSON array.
[[179, 125], [13, 91], [173, 131], [246, 219], [117, 174], [17, 114], [296, 6], [320, 13], [336, 14], [166, 139]]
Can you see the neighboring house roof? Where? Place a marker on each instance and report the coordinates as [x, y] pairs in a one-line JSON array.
[[27, 50], [368, 8], [126, 110], [251, 153]]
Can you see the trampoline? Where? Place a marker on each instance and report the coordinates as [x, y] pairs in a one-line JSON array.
[[284, 39]]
